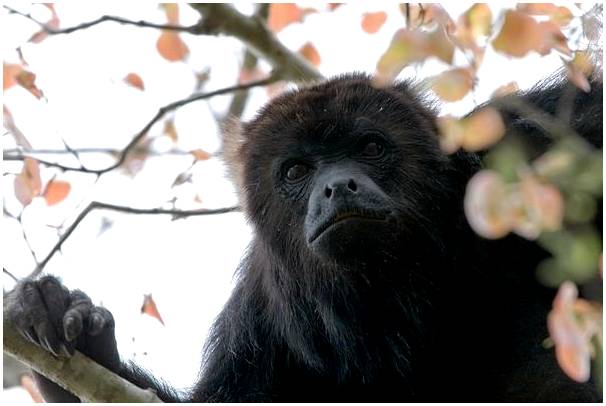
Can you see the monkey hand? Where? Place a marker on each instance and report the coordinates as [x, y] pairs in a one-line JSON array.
[[61, 321]]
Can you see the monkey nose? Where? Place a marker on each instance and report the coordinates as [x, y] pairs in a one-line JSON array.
[[341, 186]]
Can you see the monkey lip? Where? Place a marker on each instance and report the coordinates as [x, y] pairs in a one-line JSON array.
[[341, 217]]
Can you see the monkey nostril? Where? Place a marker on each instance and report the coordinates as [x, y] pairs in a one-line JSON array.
[[327, 192], [352, 185]]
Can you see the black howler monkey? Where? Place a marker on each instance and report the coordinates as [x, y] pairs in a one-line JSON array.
[[363, 281]]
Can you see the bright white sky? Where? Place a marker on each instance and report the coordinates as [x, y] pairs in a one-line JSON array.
[[187, 264]]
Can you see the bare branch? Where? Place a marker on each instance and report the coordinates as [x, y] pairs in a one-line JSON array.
[[123, 154], [6, 271], [78, 374], [218, 18], [56, 31], [177, 214]]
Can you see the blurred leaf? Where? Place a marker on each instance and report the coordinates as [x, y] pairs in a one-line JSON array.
[[171, 47], [578, 69], [558, 14], [372, 22], [406, 46], [182, 178], [474, 23], [200, 155], [309, 52], [27, 80], [474, 133], [27, 183], [572, 324], [10, 72], [334, 6], [580, 207], [172, 12], [439, 44], [135, 81], [11, 127], [169, 130], [504, 90], [454, 84], [486, 205], [519, 35], [282, 15], [53, 23], [56, 191], [149, 307], [551, 37]]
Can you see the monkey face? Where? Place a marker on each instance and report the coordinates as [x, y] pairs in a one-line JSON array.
[[342, 170]]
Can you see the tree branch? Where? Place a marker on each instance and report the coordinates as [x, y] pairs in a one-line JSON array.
[[220, 18], [177, 214], [193, 29], [159, 115], [78, 374]]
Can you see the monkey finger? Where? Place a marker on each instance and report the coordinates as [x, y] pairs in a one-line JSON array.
[[100, 318], [72, 324]]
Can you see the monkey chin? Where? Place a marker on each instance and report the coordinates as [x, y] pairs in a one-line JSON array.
[[351, 239]]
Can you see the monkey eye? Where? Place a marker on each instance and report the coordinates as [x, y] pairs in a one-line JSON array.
[[373, 149], [296, 172]]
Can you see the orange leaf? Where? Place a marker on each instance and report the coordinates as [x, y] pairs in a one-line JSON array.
[[172, 12], [10, 72], [504, 90], [27, 183], [171, 46], [53, 23], [309, 52], [282, 15], [454, 84], [372, 22], [27, 80], [406, 46], [56, 191], [149, 307], [579, 69], [519, 35], [482, 129], [200, 155], [170, 130], [334, 6], [135, 81]]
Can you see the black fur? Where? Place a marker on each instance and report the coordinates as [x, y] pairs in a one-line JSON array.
[[416, 308]]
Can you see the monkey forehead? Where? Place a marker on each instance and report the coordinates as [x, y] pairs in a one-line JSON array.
[[330, 107]]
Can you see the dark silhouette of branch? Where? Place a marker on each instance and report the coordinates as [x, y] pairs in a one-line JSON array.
[[6, 271], [78, 374], [177, 214], [218, 18], [193, 29], [123, 154]]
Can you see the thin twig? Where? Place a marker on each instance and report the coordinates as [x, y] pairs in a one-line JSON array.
[[123, 154], [177, 214], [193, 29]]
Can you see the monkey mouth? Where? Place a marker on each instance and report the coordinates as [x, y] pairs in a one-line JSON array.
[[338, 218]]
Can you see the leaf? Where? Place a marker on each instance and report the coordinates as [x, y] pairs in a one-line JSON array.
[[473, 24], [551, 37], [334, 6], [56, 191], [53, 23], [538, 207], [27, 80], [171, 47], [170, 130], [28, 184], [506, 89], [558, 14], [439, 44], [282, 15], [172, 12], [579, 69], [486, 205], [372, 22], [200, 155], [149, 307], [406, 46], [571, 338], [135, 81], [482, 129], [519, 35], [454, 84], [11, 127], [309, 52], [10, 72]]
